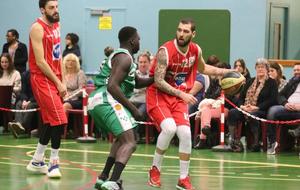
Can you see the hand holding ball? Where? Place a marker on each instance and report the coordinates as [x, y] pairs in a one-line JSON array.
[[232, 82]]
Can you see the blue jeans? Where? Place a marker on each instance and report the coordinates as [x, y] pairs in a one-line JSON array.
[[279, 112]]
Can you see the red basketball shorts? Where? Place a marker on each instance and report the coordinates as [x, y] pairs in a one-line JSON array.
[[48, 99], [161, 106]]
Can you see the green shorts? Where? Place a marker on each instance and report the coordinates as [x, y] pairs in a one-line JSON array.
[[109, 114]]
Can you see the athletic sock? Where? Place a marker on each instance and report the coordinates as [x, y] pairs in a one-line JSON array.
[[108, 165], [54, 155], [39, 152], [118, 169], [184, 168], [157, 160]]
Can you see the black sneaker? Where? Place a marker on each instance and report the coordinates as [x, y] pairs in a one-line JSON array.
[[255, 148]]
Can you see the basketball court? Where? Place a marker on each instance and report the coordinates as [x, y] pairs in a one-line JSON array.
[[81, 163]]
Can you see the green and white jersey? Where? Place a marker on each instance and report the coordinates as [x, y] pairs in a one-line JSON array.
[[127, 86]]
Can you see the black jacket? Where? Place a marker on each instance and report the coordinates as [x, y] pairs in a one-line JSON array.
[[21, 56], [288, 90], [267, 96], [75, 49], [26, 92]]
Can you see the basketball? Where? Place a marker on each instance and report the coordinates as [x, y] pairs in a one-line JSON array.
[[232, 82]]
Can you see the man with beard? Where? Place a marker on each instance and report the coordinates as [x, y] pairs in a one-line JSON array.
[[16, 49], [111, 109], [47, 86], [168, 98]]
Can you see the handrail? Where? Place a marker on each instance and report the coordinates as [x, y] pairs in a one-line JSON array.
[[285, 62]]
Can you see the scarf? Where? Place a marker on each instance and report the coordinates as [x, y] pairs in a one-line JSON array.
[[253, 91]]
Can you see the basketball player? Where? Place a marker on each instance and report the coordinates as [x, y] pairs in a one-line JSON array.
[[111, 109], [168, 99], [47, 86]]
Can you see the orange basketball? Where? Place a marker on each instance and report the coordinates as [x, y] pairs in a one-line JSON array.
[[232, 82]]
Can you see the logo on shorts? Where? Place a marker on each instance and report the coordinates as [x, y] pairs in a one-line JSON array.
[[118, 107], [56, 51]]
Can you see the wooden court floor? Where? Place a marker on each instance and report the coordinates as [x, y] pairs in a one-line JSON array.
[[80, 164]]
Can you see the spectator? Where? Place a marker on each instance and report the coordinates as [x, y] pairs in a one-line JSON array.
[[257, 96], [240, 66], [16, 49], [9, 76], [22, 124], [75, 79], [138, 98], [71, 41], [275, 73], [288, 109]]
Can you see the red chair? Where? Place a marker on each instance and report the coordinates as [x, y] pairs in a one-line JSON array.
[[78, 120]]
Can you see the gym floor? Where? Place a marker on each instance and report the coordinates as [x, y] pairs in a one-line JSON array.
[[81, 163]]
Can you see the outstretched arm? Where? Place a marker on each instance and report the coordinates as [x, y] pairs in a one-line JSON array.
[[143, 82], [161, 84], [120, 67]]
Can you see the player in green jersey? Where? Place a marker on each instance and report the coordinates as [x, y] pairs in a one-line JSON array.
[[111, 109]]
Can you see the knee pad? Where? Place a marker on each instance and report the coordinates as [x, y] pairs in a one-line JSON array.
[[168, 130], [185, 139]]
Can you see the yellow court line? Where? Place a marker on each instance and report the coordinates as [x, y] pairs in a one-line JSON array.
[[252, 174], [34, 145], [172, 157]]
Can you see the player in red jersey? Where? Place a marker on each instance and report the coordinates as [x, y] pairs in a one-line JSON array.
[[47, 86], [168, 98]]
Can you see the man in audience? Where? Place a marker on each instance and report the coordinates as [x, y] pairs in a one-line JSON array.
[[16, 49], [288, 108], [23, 120]]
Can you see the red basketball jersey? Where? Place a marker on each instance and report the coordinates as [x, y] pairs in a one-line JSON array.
[[52, 49], [183, 66]]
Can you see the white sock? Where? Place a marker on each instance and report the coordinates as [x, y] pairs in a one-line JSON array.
[[184, 168], [157, 160], [54, 155], [39, 152]]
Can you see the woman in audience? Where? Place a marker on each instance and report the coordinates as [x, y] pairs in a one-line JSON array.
[[257, 96], [75, 79], [72, 40], [240, 66], [9, 76], [275, 73]]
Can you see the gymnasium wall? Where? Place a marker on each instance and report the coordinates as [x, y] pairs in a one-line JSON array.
[[247, 30]]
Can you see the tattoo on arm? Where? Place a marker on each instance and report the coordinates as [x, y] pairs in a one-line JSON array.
[[160, 73]]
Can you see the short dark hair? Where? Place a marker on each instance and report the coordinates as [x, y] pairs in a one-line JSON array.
[[42, 3], [189, 21], [108, 50], [73, 37], [212, 60], [14, 32], [126, 33]]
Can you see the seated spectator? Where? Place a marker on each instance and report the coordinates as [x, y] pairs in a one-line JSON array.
[[257, 96], [9, 77], [210, 108], [138, 98], [288, 109], [72, 40], [22, 124], [240, 66], [75, 80], [16, 49], [275, 73]]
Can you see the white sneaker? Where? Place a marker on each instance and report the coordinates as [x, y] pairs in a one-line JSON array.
[[272, 149], [53, 171], [37, 167]]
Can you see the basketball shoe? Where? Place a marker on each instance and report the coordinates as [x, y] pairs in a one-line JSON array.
[[184, 184], [37, 167], [53, 171], [154, 177], [112, 185]]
